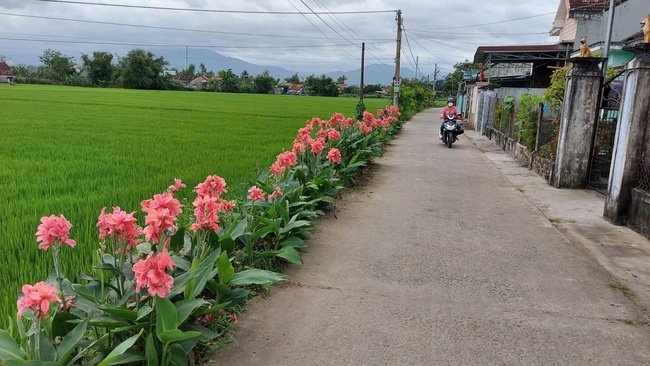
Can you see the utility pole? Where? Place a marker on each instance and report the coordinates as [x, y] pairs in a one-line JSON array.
[[363, 54], [396, 80], [608, 40], [417, 61], [186, 52], [435, 79]]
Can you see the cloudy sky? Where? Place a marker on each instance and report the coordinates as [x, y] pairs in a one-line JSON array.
[[304, 35]]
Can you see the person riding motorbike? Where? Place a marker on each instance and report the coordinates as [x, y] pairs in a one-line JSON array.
[[449, 109]]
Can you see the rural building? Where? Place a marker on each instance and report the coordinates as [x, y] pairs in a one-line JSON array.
[[200, 82], [295, 89], [588, 18], [6, 73]]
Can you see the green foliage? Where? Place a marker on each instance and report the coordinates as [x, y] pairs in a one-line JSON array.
[[452, 79], [554, 94], [293, 79], [361, 107], [57, 66], [76, 150], [229, 81], [100, 68], [323, 86], [527, 117], [140, 70], [415, 96], [116, 320], [264, 83]]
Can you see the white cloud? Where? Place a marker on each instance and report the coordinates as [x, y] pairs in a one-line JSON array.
[[437, 32]]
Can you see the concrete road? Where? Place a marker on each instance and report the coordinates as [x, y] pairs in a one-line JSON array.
[[440, 260]]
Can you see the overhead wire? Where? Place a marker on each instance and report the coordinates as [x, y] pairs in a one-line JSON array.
[[164, 28], [351, 32], [298, 12]]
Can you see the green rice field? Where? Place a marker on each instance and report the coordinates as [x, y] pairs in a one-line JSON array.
[[72, 151]]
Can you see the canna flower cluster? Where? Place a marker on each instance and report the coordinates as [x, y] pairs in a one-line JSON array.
[[161, 211], [277, 192], [37, 298], [208, 204], [334, 155], [256, 194], [150, 274], [284, 160], [53, 231], [120, 226]]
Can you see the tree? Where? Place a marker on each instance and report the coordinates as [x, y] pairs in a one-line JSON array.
[[57, 66], [190, 71], [460, 69], [264, 83], [372, 88], [202, 69], [140, 70], [293, 79], [100, 67], [342, 79], [322, 86], [229, 81]]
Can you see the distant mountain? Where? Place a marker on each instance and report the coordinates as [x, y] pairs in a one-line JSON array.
[[216, 61], [374, 74]]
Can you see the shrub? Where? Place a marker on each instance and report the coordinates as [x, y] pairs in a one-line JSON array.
[[161, 293]]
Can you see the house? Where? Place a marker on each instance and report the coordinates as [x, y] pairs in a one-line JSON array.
[[296, 89], [528, 66], [589, 18], [185, 80], [6, 73], [200, 82]]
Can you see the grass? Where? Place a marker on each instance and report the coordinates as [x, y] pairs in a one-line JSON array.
[[72, 151]]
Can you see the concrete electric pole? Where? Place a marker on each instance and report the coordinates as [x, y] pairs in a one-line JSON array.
[[396, 81]]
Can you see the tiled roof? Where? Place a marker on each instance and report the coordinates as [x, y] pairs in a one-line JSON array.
[[591, 5], [5, 69]]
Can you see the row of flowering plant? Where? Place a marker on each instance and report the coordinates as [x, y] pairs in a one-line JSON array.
[[161, 293]]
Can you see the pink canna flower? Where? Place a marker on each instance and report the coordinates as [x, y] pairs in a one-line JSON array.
[[176, 186], [334, 155], [213, 186], [256, 194], [150, 273], [277, 192], [276, 169], [321, 133], [380, 112], [336, 120], [206, 213], [54, 231], [120, 226], [298, 147], [162, 201], [333, 135], [348, 122], [287, 159], [233, 317], [317, 145], [157, 222], [37, 298], [161, 215]]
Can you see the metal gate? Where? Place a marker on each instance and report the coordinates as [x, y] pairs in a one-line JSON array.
[[605, 131]]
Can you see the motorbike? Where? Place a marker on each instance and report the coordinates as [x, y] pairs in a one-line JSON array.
[[450, 129]]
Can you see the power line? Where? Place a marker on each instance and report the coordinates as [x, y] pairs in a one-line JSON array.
[[497, 22], [206, 10], [340, 23], [122, 43], [167, 28]]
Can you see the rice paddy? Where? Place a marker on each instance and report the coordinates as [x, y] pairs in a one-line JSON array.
[[72, 151]]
